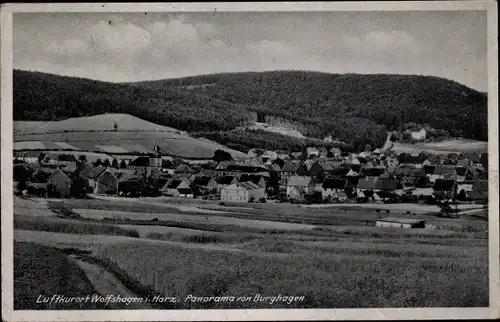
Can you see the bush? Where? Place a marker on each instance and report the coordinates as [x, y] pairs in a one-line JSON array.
[[263, 200]]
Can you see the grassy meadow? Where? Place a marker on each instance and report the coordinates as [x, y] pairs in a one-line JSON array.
[[330, 257], [41, 270]]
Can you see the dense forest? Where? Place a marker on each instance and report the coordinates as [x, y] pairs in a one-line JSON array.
[[356, 109], [244, 140]]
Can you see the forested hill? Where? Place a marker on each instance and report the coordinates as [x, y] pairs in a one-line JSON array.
[[320, 98], [356, 109]]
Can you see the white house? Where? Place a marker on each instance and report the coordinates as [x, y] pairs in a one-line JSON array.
[[418, 134], [242, 192]]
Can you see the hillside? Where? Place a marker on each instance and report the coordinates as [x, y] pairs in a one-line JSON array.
[[356, 109], [97, 134]]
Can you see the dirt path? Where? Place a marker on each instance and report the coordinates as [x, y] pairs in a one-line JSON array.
[[106, 283]]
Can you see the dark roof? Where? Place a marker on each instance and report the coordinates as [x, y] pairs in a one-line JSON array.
[[340, 172], [290, 167], [142, 161], [185, 191], [40, 176], [480, 185], [444, 185], [224, 180], [330, 165], [461, 171], [372, 172], [202, 181], [97, 171], [173, 184], [334, 183], [250, 178], [429, 169], [478, 195]]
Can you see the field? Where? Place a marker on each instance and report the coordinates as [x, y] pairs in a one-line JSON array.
[[444, 147], [42, 270], [329, 256], [91, 133]]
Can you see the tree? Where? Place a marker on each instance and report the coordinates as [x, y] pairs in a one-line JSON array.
[[41, 156], [79, 187], [21, 185], [115, 126], [106, 163], [221, 155], [98, 162], [82, 158], [114, 164], [123, 164]]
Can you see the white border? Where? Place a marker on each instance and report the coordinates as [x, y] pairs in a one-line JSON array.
[[261, 314]]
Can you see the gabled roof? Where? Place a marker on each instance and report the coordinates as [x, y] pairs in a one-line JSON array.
[[173, 184], [444, 185], [290, 167], [334, 183], [250, 178], [224, 180], [300, 181], [243, 185], [330, 165], [96, 172], [56, 172], [202, 181]]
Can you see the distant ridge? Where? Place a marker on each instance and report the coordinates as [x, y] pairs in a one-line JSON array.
[[353, 108]]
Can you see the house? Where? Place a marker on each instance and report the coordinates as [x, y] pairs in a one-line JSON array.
[[296, 155], [103, 181], [205, 184], [443, 172], [302, 184], [28, 156], [479, 191], [373, 172], [312, 151], [321, 170], [461, 174], [139, 165], [223, 181], [59, 158], [378, 184], [177, 188], [59, 184], [256, 179], [270, 155], [409, 175], [394, 222], [445, 188], [282, 154], [418, 134], [322, 152], [429, 170], [333, 185], [291, 169], [335, 152], [242, 192], [253, 153]]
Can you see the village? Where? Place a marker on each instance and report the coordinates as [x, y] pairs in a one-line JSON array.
[[312, 176]]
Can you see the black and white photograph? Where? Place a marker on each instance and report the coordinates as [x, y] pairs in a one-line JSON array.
[[263, 160]]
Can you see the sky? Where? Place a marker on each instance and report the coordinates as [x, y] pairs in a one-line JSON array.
[[124, 47]]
